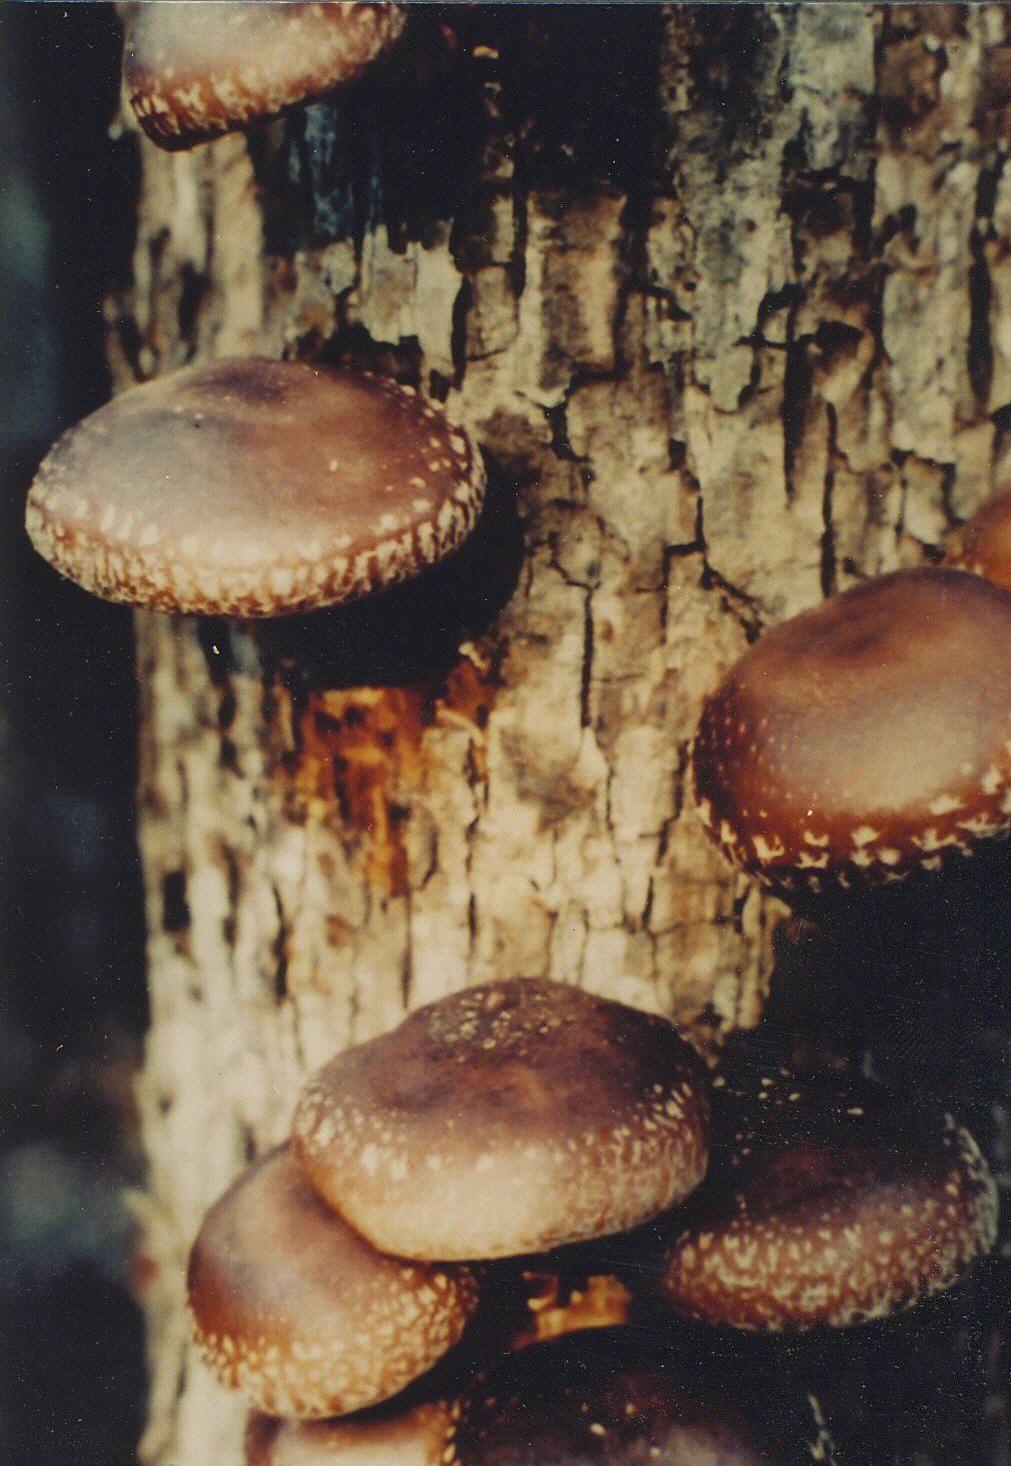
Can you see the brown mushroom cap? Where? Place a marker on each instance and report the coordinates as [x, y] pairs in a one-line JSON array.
[[299, 1313], [607, 1396], [254, 488], [386, 1435], [196, 70], [983, 543], [506, 1119], [828, 1202], [861, 740]]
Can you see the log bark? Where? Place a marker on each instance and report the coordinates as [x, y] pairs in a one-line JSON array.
[[723, 295]]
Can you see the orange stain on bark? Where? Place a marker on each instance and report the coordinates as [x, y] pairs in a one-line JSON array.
[[362, 752]]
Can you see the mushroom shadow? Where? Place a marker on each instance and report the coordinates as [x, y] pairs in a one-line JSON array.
[[908, 1388], [912, 981], [398, 146], [411, 631]]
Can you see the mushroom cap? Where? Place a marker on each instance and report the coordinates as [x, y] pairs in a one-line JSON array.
[[506, 1119], [608, 1396], [196, 70], [983, 543], [299, 1313], [862, 740], [254, 488], [387, 1435], [828, 1202]]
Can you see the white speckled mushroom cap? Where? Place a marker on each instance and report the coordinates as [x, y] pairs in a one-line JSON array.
[[863, 740], [299, 1313], [198, 69], [254, 488], [390, 1434], [827, 1202], [504, 1119]]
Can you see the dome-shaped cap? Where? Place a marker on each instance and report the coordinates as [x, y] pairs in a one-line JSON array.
[[607, 1396], [860, 741], [298, 1312], [983, 543], [254, 488], [198, 69], [504, 1119], [827, 1202]]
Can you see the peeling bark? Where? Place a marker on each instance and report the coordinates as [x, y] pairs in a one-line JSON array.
[[731, 325]]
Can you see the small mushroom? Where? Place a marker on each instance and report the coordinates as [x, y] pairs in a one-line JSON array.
[[254, 488], [387, 1435], [983, 543], [607, 1397], [505, 1119], [865, 739], [196, 70], [299, 1313], [828, 1202]]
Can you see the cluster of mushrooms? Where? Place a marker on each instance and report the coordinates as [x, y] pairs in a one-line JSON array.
[[522, 1118], [861, 743], [525, 1117]]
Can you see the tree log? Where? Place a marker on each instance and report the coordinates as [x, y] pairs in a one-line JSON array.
[[723, 295]]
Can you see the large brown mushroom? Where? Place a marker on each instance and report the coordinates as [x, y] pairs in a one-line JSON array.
[[199, 69], [865, 739], [254, 488], [301, 1314], [504, 1119], [828, 1202]]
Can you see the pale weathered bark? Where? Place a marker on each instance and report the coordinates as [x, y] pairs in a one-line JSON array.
[[766, 356]]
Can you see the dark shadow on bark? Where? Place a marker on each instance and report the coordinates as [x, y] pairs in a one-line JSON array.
[[401, 146]]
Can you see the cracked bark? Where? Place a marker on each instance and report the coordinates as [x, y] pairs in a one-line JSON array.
[[733, 331]]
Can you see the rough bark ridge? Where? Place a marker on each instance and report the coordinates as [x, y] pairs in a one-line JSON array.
[[723, 294]]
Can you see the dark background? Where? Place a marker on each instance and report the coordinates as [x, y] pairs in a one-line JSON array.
[[71, 951]]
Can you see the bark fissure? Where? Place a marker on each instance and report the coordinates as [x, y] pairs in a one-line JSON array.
[[828, 565]]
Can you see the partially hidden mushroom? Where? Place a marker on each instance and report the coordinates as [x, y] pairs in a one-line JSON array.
[[250, 487], [199, 69], [866, 739], [983, 543], [504, 1119], [829, 1201], [301, 1314], [522, 1301], [386, 1435], [606, 1397]]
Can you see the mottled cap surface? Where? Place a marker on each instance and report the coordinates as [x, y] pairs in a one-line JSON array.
[[863, 740], [606, 1396], [299, 1313], [828, 1202], [198, 69], [387, 1435], [254, 488], [506, 1119], [983, 543]]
